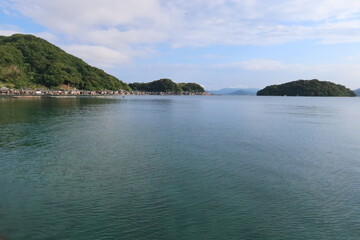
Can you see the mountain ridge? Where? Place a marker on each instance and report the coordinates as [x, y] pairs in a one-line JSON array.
[[357, 92], [235, 91]]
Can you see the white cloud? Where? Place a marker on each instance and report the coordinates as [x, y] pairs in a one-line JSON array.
[[7, 32], [48, 36], [214, 22], [75, 17], [267, 22], [9, 29], [339, 73], [98, 55], [262, 64], [128, 26]]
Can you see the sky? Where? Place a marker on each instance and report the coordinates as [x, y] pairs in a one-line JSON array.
[[217, 43]]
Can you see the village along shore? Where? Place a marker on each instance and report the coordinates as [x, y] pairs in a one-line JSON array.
[[37, 93]]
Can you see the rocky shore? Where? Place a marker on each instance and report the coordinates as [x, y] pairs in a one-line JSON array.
[[42, 92]]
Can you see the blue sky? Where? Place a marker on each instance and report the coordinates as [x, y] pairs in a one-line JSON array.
[[218, 43]]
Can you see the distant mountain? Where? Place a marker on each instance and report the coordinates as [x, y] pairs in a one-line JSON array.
[[223, 91], [235, 91], [357, 92], [246, 91], [307, 88], [27, 61]]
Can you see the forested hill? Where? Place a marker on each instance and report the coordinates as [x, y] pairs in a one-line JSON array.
[[27, 61], [307, 88], [166, 85]]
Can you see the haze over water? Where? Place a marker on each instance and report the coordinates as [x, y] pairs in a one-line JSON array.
[[180, 167]]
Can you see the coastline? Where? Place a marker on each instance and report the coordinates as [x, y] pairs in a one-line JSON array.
[[37, 93]]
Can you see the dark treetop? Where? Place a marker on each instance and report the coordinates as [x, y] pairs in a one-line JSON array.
[[307, 88], [166, 85], [32, 62]]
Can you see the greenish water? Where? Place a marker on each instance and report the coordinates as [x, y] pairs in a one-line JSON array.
[[180, 167]]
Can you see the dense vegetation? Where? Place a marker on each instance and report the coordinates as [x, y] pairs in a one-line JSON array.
[[306, 88], [29, 61], [166, 85], [191, 87]]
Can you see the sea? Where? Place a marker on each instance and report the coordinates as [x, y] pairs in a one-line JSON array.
[[180, 167]]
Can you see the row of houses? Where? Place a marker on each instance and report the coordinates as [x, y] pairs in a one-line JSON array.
[[42, 92], [39, 92]]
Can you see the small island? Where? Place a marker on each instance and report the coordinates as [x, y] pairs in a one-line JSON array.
[[307, 88], [167, 85]]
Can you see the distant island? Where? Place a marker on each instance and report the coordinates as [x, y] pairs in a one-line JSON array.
[[246, 92], [357, 92], [235, 91], [166, 85], [307, 88]]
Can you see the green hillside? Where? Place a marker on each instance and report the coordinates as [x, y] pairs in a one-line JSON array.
[[191, 87], [166, 85], [27, 61], [307, 88]]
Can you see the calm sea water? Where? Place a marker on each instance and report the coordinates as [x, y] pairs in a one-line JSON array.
[[180, 167]]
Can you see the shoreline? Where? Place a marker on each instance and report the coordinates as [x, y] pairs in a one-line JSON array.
[[31, 93]]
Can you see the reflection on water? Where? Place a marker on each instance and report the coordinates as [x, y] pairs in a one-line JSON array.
[[16, 110], [23, 120], [173, 167]]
